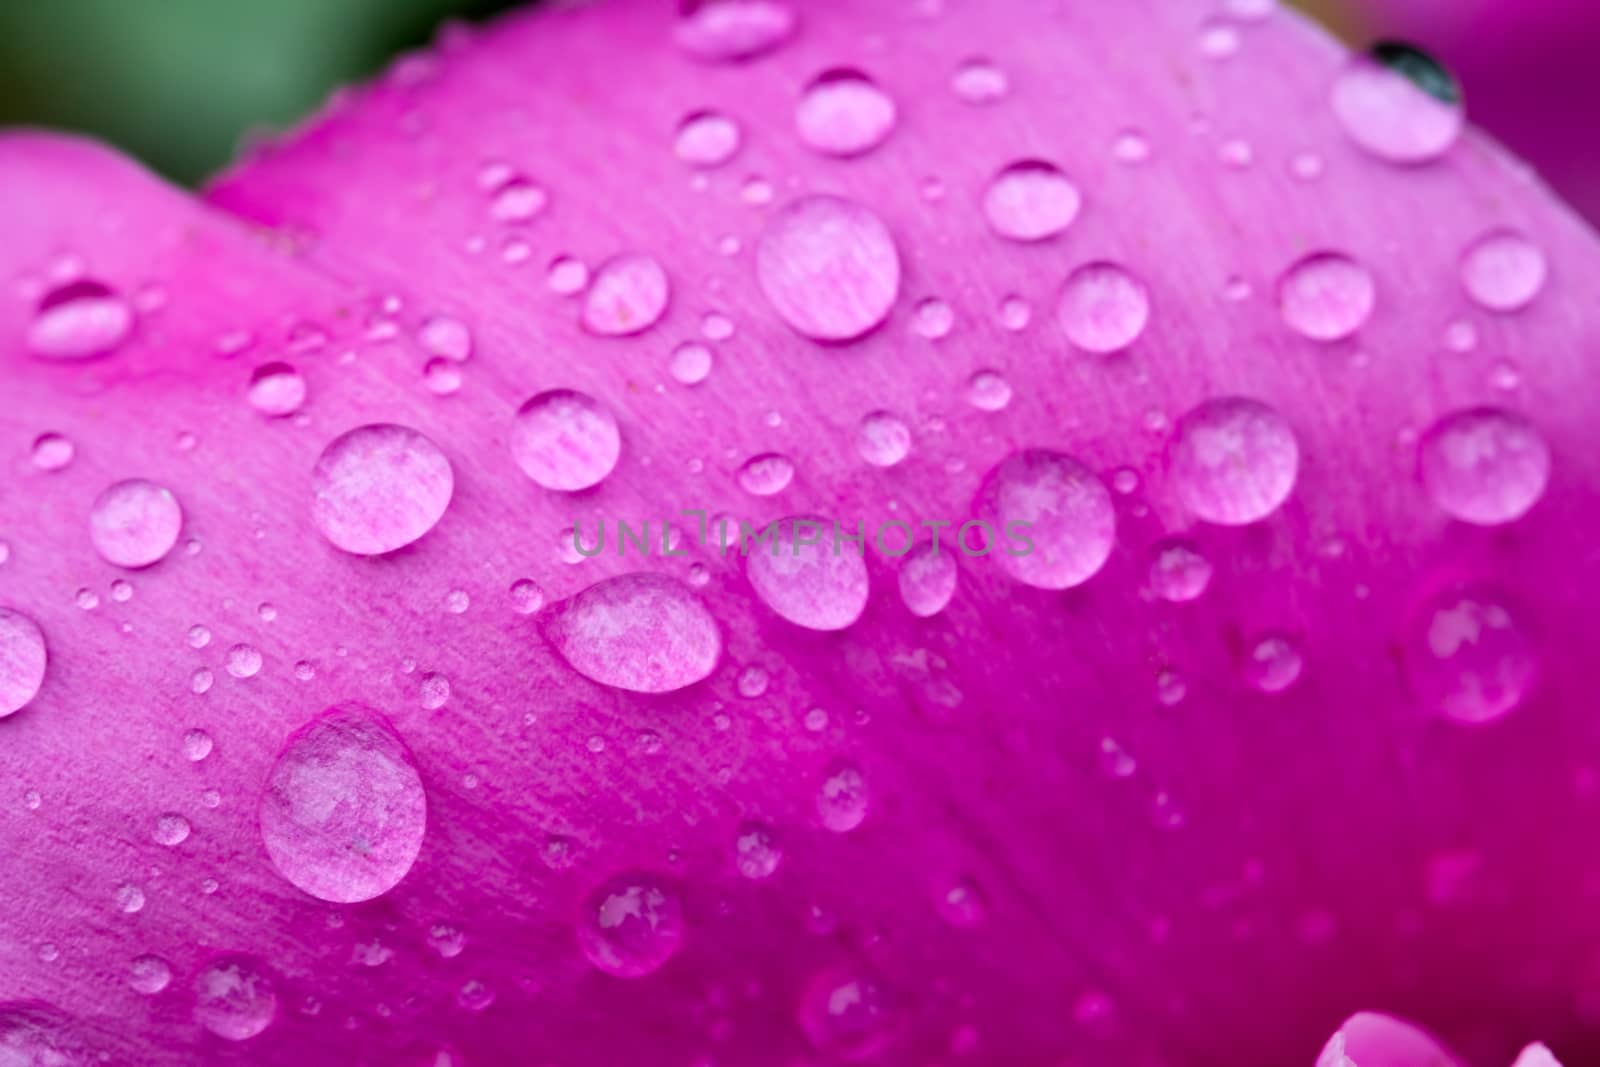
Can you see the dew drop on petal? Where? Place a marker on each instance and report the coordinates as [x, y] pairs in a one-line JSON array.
[[707, 139], [846, 1014], [842, 798], [1468, 658], [766, 475], [22, 661], [526, 596], [1399, 104], [344, 812], [445, 337], [1273, 663], [829, 268], [566, 440], [442, 377], [518, 200], [631, 924], [1484, 465], [1326, 296], [149, 974], [1503, 271], [1233, 461], [197, 745], [52, 452], [690, 363], [135, 523], [978, 81], [627, 295], [379, 488], [844, 113], [1050, 518], [1031, 201], [80, 320], [756, 851], [646, 633], [277, 389], [806, 574], [244, 661], [1103, 308], [567, 276], [1178, 571], [988, 390], [883, 439], [727, 31], [235, 998], [928, 576]]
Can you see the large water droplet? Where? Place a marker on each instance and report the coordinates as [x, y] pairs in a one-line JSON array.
[[732, 30], [808, 575], [928, 578], [1484, 465], [1399, 104], [22, 660], [844, 113], [628, 295], [846, 1013], [379, 488], [1103, 308], [277, 389], [566, 440], [829, 268], [1031, 201], [1233, 460], [707, 139], [80, 320], [1326, 296], [1468, 658], [842, 798], [1503, 271], [235, 998], [135, 523], [883, 439], [631, 924], [646, 633], [1052, 523], [343, 813]]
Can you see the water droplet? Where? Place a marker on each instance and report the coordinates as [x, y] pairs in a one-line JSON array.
[[379, 488], [567, 276], [756, 851], [629, 295], [1053, 519], [1399, 104], [1218, 39], [829, 268], [442, 377], [978, 81], [235, 998], [1178, 572], [1031, 201], [707, 139], [149, 975], [344, 812], [52, 452], [197, 745], [1468, 658], [844, 113], [135, 523], [446, 940], [1250, 10], [1503, 271], [1131, 146], [566, 440], [22, 661], [1273, 664], [1233, 461], [733, 30], [646, 633], [766, 475], [631, 924], [171, 829], [518, 200], [277, 389], [445, 337], [933, 319], [690, 363], [808, 575], [846, 1013], [1103, 308], [883, 439], [960, 904], [433, 691], [928, 579], [526, 596], [80, 320], [1484, 465], [988, 390], [130, 899], [244, 661], [1326, 296]]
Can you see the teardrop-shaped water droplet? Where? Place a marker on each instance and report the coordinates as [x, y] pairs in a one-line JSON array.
[[842, 798], [1468, 658], [883, 439], [928, 578], [379, 488], [805, 572], [646, 633], [277, 389], [1503, 271], [1050, 519], [707, 139], [344, 812], [22, 661], [829, 267], [1326, 296], [844, 113], [726, 31], [1484, 465], [135, 523], [1233, 460], [235, 998], [631, 924], [566, 440], [1103, 308], [627, 295], [80, 320], [1031, 201], [1399, 104]]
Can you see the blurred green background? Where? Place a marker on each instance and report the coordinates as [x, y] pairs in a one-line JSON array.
[[179, 83]]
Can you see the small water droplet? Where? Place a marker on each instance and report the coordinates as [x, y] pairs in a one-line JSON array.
[[1503, 271], [1399, 104], [1103, 308], [135, 523], [433, 691], [1131, 146], [766, 475], [756, 851], [883, 439], [149, 975], [1178, 572], [933, 319], [728, 31], [517, 200], [842, 798], [1219, 39], [566, 440], [277, 389], [707, 139], [690, 363], [988, 390], [379, 488], [567, 276], [1484, 465], [244, 661], [445, 337], [1053, 517], [806, 574], [1468, 658], [960, 903], [1326, 296], [1031, 200], [846, 1013], [526, 596], [979, 81], [829, 267], [628, 295], [928, 579], [235, 998], [753, 681], [844, 113], [171, 829], [646, 633], [52, 451], [631, 924], [1273, 663], [80, 320], [1233, 461], [197, 745]]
